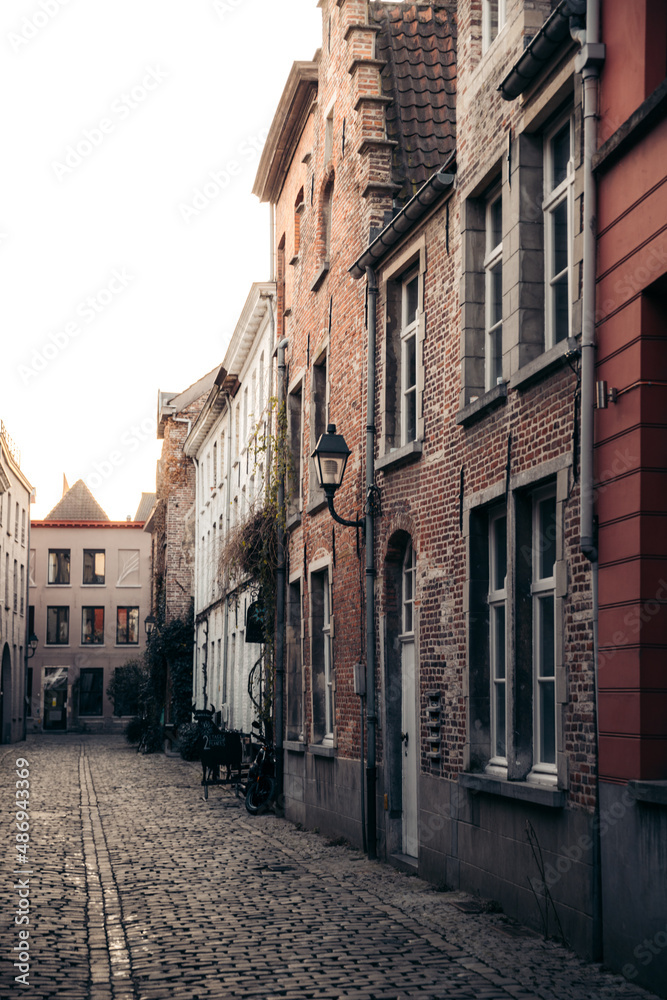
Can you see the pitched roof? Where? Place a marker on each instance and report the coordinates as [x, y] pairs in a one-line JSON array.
[[145, 506], [418, 45], [78, 504]]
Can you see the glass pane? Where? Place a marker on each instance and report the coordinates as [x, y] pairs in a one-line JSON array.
[[547, 638], [547, 723], [411, 416], [499, 641], [499, 552], [547, 536], [496, 223], [560, 315], [411, 300], [496, 310], [410, 377], [559, 237], [497, 354], [560, 154], [500, 748], [492, 7]]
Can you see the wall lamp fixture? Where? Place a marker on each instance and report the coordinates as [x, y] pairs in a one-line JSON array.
[[331, 455]]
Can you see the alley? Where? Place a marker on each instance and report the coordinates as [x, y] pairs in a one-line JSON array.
[[141, 890]]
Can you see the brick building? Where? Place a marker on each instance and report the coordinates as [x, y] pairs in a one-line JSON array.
[[393, 161], [15, 494], [437, 187], [171, 522]]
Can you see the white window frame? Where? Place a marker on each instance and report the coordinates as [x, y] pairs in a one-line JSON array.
[[409, 335], [554, 197], [542, 589], [493, 329], [408, 582], [497, 599], [328, 672], [487, 6]]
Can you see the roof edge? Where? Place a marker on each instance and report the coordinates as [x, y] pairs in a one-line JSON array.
[[411, 213], [541, 48], [285, 131]]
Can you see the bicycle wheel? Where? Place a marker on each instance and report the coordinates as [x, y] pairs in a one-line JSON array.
[[259, 794]]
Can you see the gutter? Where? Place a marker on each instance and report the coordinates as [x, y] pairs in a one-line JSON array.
[[280, 599], [556, 29], [411, 213]]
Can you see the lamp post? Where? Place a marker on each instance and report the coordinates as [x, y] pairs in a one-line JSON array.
[[331, 455], [149, 624], [32, 646]]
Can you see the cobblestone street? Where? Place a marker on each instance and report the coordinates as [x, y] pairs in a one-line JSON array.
[[141, 890]]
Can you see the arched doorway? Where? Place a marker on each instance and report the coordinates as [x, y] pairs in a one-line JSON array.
[[6, 697], [401, 698]]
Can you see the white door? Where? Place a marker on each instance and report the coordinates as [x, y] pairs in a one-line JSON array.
[[409, 728]]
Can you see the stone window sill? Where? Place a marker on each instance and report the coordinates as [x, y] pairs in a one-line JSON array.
[[410, 452], [542, 795], [317, 502], [545, 364], [320, 276], [649, 791], [294, 746], [321, 750], [293, 519], [482, 406]]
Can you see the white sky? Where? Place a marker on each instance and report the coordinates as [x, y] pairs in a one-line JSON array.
[[156, 95]]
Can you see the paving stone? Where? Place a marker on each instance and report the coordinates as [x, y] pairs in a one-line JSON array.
[[145, 891]]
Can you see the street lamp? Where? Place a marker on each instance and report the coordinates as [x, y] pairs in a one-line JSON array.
[[149, 625], [331, 455], [32, 644]]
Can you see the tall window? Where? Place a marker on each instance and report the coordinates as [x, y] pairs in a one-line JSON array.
[[514, 550], [544, 648], [59, 561], [22, 591], [557, 206], [319, 415], [493, 20], [403, 382], [92, 626], [94, 566], [22, 527], [410, 306], [497, 634], [260, 381], [91, 684], [16, 523], [7, 580], [295, 429], [57, 626], [493, 290], [294, 663], [408, 602], [127, 626], [322, 666], [16, 584]]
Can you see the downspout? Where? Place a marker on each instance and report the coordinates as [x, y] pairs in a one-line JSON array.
[[228, 475], [280, 596], [371, 714], [588, 63]]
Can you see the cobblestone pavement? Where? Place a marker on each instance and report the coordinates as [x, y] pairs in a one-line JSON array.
[[141, 890]]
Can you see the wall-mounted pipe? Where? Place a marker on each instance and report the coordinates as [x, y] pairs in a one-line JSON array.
[[371, 713], [280, 594]]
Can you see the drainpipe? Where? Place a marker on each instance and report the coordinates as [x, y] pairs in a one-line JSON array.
[[371, 714], [280, 595], [588, 63]]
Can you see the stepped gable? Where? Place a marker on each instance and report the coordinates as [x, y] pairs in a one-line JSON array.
[[78, 504], [418, 45]]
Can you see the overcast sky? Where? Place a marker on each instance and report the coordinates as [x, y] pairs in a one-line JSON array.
[[129, 237]]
